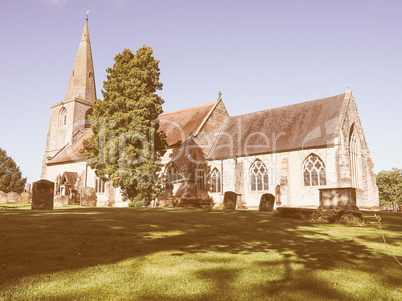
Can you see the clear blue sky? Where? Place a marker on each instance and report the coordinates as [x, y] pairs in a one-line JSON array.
[[260, 54]]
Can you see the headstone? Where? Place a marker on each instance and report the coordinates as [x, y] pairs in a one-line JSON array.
[[13, 197], [3, 197], [229, 200], [42, 195], [88, 197], [25, 197], [61, 200], [267, 202]]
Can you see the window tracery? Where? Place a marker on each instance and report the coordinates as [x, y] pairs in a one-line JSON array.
[[172, 175], [314, 173], [215, 181], [258, 176]]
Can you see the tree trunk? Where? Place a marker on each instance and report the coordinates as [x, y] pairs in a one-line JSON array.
[[395, 206]]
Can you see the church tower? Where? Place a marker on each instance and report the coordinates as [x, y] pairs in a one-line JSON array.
[[68, 118]]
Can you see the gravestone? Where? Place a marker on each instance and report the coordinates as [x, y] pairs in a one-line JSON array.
[[25, 197], [88, 197], [42, 195], [3, 197], [13, 197], [229, 200], [267, 202], [61, 200]]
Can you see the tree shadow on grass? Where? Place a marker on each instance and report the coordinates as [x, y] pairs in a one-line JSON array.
[[34, 243]]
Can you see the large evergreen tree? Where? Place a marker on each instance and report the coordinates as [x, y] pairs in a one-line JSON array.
[[11, 179], [389, 184], [126, 147]]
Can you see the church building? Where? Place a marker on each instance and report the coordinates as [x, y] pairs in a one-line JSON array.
[[292, 152]]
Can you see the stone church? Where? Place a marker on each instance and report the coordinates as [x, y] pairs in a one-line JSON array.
[[292, 152]]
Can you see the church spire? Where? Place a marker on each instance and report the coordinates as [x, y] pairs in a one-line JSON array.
[[82, 79]]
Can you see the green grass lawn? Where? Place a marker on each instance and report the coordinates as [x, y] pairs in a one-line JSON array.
[[190, 254], [12, 205]]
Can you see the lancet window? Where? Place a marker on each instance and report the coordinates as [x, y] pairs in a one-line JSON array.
[[354, 158], [62, 117], [215, 181]]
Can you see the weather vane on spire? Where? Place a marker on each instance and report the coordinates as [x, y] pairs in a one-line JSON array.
[[87, 14]]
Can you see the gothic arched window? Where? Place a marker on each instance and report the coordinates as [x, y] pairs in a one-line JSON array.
[[215, 181], [87, 122], [354, 157], [172, 175], [314, 171], [259, 176], [62, 117]]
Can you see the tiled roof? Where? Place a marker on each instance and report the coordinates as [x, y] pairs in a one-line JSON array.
[[70, 178], [178, 125], [71, 152], [304, 125]]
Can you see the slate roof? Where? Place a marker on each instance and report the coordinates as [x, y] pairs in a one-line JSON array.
[[299, 126], [177, 125]]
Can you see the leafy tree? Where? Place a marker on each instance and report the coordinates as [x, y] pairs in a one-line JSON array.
[[126, 147], [390, 187], [11, 179]]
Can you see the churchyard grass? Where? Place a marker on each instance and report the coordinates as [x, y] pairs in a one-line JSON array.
[[19, 205], [192, 254]]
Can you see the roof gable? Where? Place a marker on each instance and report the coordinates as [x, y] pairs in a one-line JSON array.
[[178, 125], [69, 178]]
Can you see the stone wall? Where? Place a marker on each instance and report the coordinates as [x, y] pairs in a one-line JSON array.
[[59, 136], [208, 133], [367, 190], [284, 169]]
